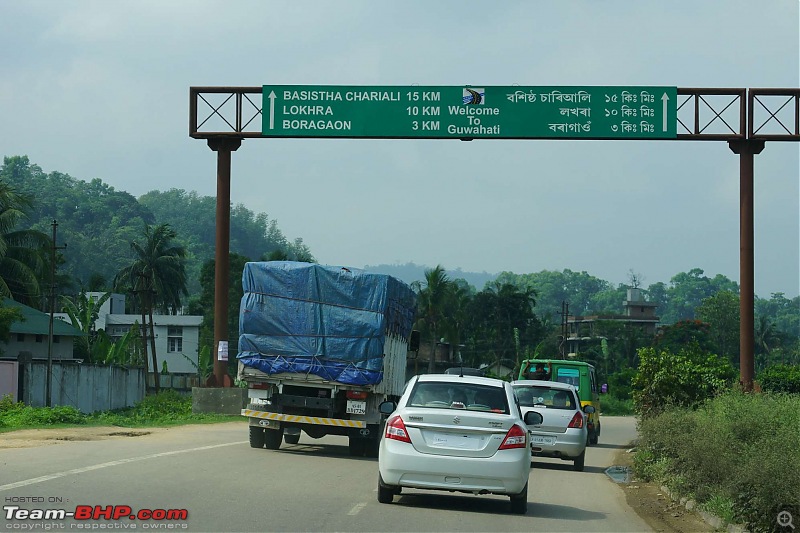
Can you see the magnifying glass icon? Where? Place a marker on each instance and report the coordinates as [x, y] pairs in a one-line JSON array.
[[785, 519]]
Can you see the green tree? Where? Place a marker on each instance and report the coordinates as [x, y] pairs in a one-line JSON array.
[[721, 313], [433, 295], [83, 312], [22, 251], [157, 275], [685, 378]]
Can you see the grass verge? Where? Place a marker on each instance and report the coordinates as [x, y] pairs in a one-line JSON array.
[[164, 409], [737, 455]]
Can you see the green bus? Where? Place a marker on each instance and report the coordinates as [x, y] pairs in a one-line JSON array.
[[579, 374]]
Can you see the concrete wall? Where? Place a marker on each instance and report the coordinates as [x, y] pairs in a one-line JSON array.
[[9, 372], [88, 388]]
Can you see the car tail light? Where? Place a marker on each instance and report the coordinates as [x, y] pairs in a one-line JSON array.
[[576, 422], [396, 430], [356, 395], [517, 437]]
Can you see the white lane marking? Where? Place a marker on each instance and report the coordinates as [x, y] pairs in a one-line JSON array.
[[356, 509], [49, 477]]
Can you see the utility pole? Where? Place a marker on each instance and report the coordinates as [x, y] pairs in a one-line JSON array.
[[564, 323], [53, 249]]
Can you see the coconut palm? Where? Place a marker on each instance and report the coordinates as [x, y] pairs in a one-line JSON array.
[[157, 275], [22, 251], [433, 296]]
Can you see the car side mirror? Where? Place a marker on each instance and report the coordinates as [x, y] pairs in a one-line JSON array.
[[588, 409], [387, 407], [532, 418], [604, 388]]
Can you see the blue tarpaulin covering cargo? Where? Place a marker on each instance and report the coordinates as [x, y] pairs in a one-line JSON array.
[[329, 321]]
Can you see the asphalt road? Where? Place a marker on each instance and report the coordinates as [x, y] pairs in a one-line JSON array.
[[224, 485]]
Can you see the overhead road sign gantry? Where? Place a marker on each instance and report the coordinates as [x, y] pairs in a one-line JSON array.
[[458, 112]]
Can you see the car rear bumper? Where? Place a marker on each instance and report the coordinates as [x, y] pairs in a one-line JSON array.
[[569, 444], [505, 473]]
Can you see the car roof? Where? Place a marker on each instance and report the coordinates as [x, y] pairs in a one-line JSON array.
[[454, 378], [541, 383]]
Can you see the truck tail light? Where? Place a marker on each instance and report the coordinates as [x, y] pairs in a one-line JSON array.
[[356, 395], [517, 437], [396, 430], [577, 421], [259, 385]]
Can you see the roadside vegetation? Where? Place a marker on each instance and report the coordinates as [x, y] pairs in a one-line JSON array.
[[166, 408], [736, 454]]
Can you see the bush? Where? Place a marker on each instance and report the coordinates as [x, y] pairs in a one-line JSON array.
[[737, 447], [611, 405], [780, 378], [684, 379]]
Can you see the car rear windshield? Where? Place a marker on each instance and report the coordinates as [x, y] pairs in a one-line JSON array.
[[556, 398], [459, 396]]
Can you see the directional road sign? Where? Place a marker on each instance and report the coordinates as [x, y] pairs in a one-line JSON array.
[[496, 112]]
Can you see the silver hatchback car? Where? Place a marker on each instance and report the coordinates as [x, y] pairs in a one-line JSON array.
[[458, 434], [562, 433]]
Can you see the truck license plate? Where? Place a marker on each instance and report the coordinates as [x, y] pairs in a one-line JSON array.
[[356, 407]]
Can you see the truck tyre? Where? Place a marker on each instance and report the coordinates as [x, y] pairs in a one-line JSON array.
[[256, 437], [579, 462], [385, 492], [519, 502], [273, 438], [356, 446], [292, 439]]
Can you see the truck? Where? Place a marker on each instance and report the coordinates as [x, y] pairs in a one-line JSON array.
[[320, 348]]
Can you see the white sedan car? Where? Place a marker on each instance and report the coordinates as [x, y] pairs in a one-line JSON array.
[[562, 433], [458, 434]]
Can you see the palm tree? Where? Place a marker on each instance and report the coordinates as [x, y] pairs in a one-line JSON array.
[[158, 276], [433, 296], [22, 252]]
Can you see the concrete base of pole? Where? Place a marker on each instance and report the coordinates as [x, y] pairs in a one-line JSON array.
[[223, 401]]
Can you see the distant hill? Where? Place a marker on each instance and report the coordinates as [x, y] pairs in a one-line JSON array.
[[411, 272]]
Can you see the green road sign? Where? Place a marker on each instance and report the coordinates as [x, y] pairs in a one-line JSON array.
[[499, 112]]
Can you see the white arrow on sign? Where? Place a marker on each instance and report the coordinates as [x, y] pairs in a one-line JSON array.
[[664, 99], [272, 110]]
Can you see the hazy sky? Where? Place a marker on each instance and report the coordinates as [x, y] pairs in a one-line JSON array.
[[100, 89]]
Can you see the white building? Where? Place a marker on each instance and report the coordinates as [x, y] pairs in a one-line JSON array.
[[177, 336]]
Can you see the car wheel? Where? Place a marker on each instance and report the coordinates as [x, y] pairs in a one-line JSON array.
[[519, 502], [292, 439], [579, 462], [386, 492], [256, 437], [273, 438]]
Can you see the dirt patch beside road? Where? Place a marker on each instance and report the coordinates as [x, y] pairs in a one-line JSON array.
[[657, 508], [28, 438]]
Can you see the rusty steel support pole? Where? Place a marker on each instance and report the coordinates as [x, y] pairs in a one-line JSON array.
[[746, 149], [223, 147]]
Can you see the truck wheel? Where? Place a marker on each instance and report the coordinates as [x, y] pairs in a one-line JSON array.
[[273, 438], [357, 446], [256, 437], [519, 502], [594, 437], [385, 492], [292, 439]]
